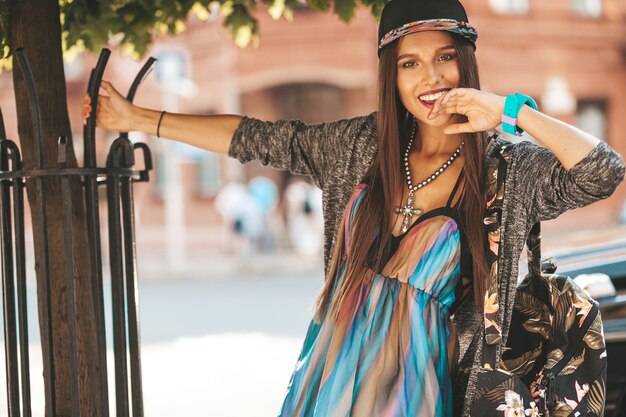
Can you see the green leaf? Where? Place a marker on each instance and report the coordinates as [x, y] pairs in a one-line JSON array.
[[321, 5], [90, 24], [244, 28], [376, 7], [345, 9]]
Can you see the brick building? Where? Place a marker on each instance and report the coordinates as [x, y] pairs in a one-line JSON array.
[[568, 54]]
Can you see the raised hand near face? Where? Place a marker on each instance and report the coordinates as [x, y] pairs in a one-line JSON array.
[[483, 110]]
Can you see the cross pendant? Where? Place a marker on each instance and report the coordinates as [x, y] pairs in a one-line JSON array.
[[408, 212]]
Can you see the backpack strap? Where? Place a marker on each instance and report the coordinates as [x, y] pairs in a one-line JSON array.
[[498, 155]]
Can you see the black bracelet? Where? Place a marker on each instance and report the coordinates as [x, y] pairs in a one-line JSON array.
[[159, 124]]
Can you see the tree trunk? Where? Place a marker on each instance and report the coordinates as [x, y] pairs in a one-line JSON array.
[[35, 26]]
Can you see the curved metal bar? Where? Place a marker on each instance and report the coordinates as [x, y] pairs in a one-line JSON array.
[[93, 88], [124, 158], [141, 75], [93, 225], [122, 259], [124, 265], [20, 270], [121, 148], [144, 175], [8, 292], [132, 298], [40, 222], [13, 155]]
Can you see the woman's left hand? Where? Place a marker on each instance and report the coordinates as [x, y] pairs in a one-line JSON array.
[[483, 110]]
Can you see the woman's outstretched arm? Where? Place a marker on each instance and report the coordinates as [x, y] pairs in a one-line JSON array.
[[313, 150], [210, 132]]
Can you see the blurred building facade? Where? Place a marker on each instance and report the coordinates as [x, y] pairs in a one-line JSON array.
[[568, 54]]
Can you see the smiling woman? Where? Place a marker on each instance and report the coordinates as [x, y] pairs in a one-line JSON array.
[[428, 67], [419, 290]]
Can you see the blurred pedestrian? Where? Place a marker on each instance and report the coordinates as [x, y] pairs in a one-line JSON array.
[[235, 206], [305, 221], [265, 194], [407, 304]]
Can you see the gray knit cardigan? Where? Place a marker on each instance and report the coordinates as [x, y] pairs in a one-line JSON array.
[[336, 156]]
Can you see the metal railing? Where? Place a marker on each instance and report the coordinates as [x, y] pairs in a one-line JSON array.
[[118, 176]]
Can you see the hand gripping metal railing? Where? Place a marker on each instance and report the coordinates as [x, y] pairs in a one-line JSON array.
[[118, 176]]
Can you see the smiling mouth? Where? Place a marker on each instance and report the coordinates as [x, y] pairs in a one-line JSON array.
[[429, 99]]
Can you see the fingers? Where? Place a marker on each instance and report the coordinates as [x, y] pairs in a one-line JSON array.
[[437, 107], [440, 105], [86, 113], [451, 102], [108, 87], [458, 128], [86, 108]]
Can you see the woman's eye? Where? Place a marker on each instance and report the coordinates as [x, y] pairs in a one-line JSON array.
[[447, 57], [409, 64]]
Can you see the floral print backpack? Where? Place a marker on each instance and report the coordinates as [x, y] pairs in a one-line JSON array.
[[554, 362]]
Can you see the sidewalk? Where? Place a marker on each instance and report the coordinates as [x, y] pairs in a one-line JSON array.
[[215, 375], [214, 264]]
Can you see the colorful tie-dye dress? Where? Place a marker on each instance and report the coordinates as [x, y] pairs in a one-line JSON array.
[[393, 349]]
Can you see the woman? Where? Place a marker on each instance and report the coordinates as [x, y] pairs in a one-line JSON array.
[[394, 332]]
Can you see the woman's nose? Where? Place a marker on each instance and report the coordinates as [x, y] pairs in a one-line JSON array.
[[432, 75]]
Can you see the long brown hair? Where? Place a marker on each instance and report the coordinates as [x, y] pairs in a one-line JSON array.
[[385, 181]]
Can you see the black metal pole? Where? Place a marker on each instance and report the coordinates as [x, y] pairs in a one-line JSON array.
[[8, 292], [130, 258], [10, 154], [93, 225], [122, 156], [118, 296], [20, 270]]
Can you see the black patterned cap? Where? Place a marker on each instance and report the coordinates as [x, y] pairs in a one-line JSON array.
[[403, 17]]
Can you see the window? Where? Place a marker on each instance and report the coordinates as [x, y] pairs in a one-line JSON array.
[[159, 174], [589, 8], [301, 6], [510, 6], [591, 117], [206, 167], [208, 174], [310, 102]]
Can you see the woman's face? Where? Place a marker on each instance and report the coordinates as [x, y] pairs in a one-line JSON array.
[[427, 67]]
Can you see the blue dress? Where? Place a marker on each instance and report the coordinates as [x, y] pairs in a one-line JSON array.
[[392, 350]]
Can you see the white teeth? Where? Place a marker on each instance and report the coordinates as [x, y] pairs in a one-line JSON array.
[[432, 97]]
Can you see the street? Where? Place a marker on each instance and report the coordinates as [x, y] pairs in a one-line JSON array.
[[210, 348]]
